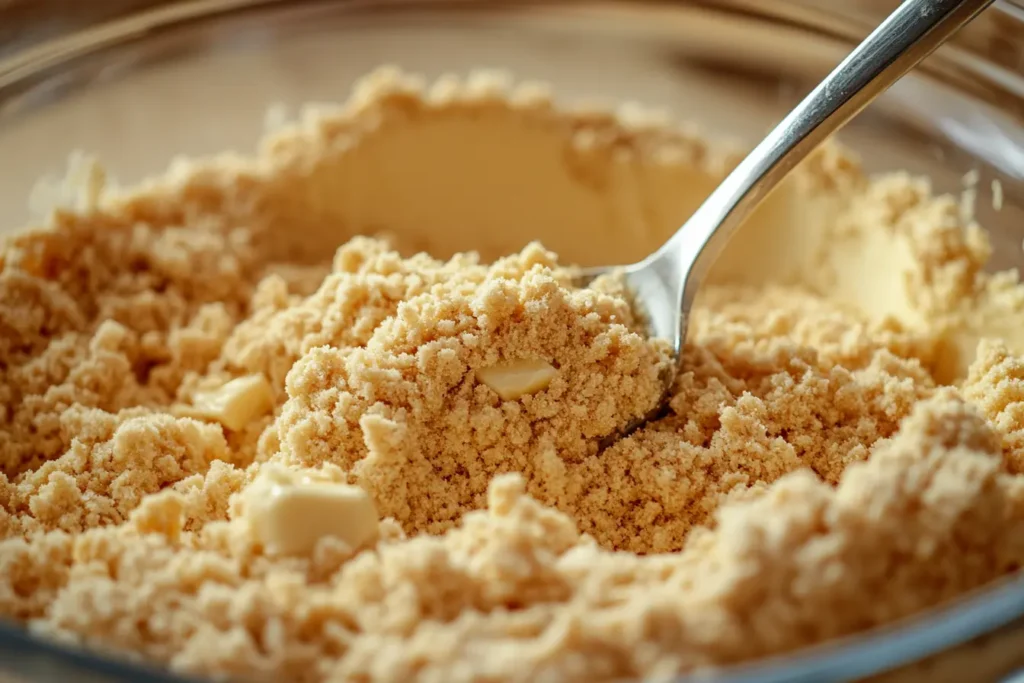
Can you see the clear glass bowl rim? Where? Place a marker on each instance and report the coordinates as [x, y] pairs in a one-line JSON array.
[[984, 612]]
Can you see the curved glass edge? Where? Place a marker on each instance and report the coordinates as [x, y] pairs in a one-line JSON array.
[[30, 659], [882, 650], [885, 650]]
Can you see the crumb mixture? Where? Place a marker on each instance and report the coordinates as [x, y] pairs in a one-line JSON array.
[[248, 427]]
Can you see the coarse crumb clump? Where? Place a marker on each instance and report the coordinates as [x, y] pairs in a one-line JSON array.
[[177, 360]]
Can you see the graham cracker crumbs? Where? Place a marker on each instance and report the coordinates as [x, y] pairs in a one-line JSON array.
[[249, 427]]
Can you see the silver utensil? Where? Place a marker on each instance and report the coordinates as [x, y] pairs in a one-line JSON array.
[[664, 285]]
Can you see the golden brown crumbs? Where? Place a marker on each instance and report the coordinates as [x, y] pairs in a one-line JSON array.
[[235, 328]]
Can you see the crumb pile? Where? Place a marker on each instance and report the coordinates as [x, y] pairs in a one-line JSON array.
[[166, 350]]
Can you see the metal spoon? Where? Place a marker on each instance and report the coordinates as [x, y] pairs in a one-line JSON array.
[[665, 284]]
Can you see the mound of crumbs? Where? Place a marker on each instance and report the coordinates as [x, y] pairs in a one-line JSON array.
[[335, 411]]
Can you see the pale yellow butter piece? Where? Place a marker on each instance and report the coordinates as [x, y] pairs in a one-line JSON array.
[[288, 513], [513, 379], [234, 404]]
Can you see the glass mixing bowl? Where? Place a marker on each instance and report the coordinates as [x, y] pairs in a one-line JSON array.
[[137, 83]]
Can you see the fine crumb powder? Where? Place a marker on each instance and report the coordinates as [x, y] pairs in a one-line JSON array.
[[170, 355]]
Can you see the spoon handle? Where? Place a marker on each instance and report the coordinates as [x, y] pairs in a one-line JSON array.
[[906, 37]]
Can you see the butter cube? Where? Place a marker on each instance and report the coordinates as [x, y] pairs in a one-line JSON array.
[[514, 379], [234, 404], [289, 513]]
